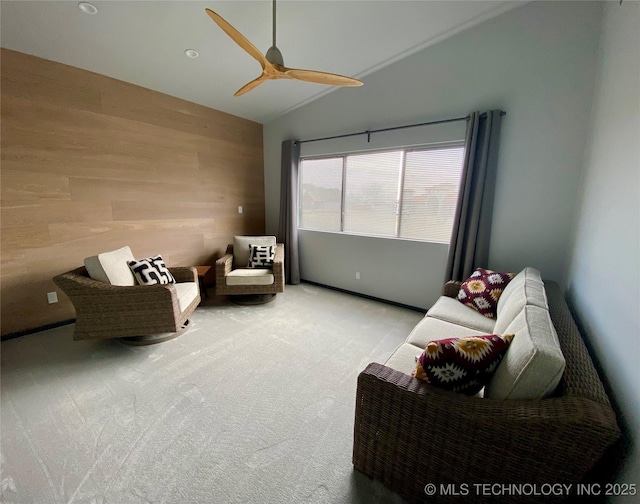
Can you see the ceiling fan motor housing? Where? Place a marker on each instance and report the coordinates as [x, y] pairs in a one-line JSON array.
[[274, 56]]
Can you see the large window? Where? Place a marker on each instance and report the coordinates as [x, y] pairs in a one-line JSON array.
[[398, 193]]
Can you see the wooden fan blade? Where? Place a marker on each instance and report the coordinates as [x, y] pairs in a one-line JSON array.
[[321, 77], [251, 85], [237, 37]]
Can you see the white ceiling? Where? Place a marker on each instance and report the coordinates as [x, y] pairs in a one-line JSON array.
[[143, 42]]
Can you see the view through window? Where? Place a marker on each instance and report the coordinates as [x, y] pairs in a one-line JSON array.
[[403, 193]]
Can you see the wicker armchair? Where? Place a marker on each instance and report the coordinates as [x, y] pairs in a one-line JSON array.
[[112, 311], [409, 434], [264, 282]]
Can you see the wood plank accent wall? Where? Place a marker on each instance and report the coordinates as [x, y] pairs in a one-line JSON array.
[[91, 164]]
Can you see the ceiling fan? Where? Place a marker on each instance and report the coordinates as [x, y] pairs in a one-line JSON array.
[[272, 63]]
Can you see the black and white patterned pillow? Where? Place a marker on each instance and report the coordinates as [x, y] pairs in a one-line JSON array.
[[261, 256], [151, 271]]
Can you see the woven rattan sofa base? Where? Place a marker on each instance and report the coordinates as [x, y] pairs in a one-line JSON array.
[[409, 434], [111, 311], [224, 265]]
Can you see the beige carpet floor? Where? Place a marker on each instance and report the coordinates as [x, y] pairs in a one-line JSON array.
[[251, 405]]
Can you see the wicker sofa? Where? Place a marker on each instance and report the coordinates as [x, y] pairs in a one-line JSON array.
[[409, 434]]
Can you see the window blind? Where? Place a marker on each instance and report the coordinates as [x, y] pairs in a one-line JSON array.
[[401, 193]]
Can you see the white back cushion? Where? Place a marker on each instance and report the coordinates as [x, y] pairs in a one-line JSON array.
[[528, 292], [533, 364], [111, 267], [527, 276], [241, 248]]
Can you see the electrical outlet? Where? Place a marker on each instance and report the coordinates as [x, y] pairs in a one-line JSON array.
[[239, 209], [357, 275], [52, 297]]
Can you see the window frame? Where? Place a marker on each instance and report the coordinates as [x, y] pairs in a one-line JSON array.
[[401, 189]]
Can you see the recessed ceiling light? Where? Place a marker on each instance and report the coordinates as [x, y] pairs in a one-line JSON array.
[[87, 8], [192, 53]]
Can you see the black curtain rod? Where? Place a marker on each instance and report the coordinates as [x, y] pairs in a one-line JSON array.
[[369, 132]]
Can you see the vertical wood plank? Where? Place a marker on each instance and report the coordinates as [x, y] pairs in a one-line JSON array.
[[91, 164]]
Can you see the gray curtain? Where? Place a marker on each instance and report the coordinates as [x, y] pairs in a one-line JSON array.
[[288, 223], [469, 248]]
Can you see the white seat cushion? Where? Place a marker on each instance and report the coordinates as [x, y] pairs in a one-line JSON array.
[[111, 267], [247, 276], [452, 310], [403, 359], [429, 329], [241, 248], [533, 365], [186, 292]]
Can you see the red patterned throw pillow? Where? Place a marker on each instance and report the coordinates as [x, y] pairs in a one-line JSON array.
[[482, 290], [462, 364]]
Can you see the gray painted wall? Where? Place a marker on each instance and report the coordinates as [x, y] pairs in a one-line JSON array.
[[603, 284], [383, 265], [537, 62]]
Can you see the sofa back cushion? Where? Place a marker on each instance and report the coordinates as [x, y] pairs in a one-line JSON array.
[[529, 290], [533, 365], [111, 267], [526, 277], [241, 244]]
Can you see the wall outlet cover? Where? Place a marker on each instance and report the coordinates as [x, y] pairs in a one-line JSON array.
[[52, 297]]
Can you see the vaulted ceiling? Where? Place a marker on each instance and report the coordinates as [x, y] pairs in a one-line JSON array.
[[144, 42]]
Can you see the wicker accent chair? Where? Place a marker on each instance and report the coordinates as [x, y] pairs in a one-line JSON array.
[[409, 434], [138, 314], [234, 278]]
